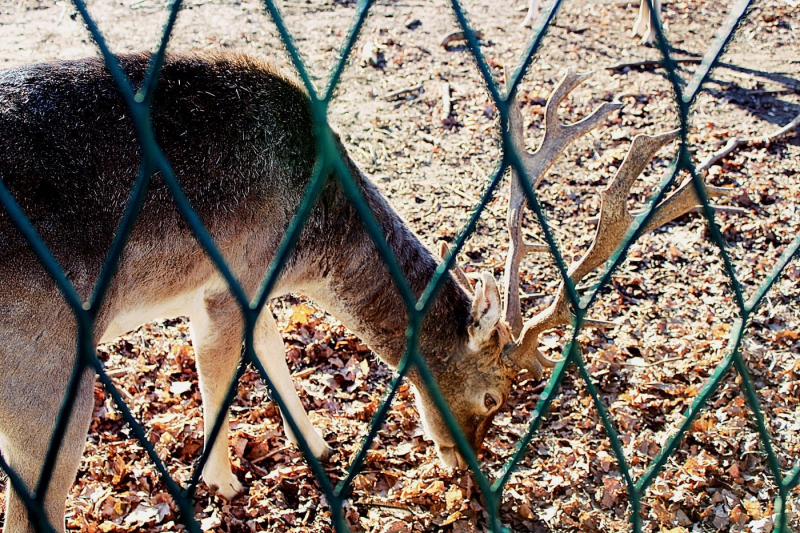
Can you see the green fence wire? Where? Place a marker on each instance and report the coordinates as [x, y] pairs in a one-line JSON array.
[[331, 165]]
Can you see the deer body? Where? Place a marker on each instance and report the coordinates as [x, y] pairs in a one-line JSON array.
[[238, 135]]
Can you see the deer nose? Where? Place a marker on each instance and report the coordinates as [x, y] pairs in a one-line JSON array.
[[451, 458]]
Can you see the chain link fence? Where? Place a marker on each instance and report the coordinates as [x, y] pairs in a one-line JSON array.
[[331, 163]]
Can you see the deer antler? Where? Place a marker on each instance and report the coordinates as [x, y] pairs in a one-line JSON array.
[[557, 137], [615, 219]]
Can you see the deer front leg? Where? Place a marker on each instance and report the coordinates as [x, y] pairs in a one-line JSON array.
[[216, 330], [270, 351], [33, 383]]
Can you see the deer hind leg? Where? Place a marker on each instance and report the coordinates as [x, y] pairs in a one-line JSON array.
[[270, 351], [650, 37], [533, 12], [642, 25], [216, 329], [29, 405]]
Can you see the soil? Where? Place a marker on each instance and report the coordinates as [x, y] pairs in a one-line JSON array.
[[672, 302]]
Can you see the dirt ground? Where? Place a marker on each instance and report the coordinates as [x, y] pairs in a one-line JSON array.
[[671, 300]]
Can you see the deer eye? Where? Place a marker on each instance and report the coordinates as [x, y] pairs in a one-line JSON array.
[[489, 402]]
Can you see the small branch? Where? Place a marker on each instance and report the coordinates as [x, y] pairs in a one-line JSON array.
[[472, 199], [395, 95], [652, 63], [733, 144], [388, 505]]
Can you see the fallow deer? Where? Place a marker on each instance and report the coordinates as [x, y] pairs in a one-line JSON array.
[[239, 137]]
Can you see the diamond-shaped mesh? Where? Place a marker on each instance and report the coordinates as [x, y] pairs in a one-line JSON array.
[[330, 165]]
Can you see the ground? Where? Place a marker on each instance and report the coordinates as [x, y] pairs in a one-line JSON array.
[[670, 298]]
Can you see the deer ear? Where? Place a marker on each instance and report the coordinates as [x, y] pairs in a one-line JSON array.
[[486, 309]]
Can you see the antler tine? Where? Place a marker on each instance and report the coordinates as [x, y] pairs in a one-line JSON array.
[[444, 251], [557, 135], [524, 353], [556, 138], [614, 222], [614, 215], [681, 202], [685, 198]]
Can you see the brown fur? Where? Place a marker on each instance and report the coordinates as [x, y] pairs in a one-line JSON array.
[[238, 135]]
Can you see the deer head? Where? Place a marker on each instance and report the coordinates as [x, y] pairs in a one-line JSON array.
[[476, 373]]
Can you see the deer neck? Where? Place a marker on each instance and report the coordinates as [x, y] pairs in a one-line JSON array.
[[350, 280]]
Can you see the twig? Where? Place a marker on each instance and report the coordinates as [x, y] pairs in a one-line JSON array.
[[388, 505], [394, 95], [270, 453], [447, 106], [735, 143], [471, 198], [652, 63], [531, 296]]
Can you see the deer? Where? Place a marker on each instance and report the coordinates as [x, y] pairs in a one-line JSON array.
[[238, 133], [642, 27]]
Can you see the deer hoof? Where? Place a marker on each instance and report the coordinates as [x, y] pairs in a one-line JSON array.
[[226, 485], [326, 454]]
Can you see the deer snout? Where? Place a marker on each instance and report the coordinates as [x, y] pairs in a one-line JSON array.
[[475, 433], [450, 457]]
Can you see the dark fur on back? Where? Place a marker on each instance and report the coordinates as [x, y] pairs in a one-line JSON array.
[[69, 154]]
